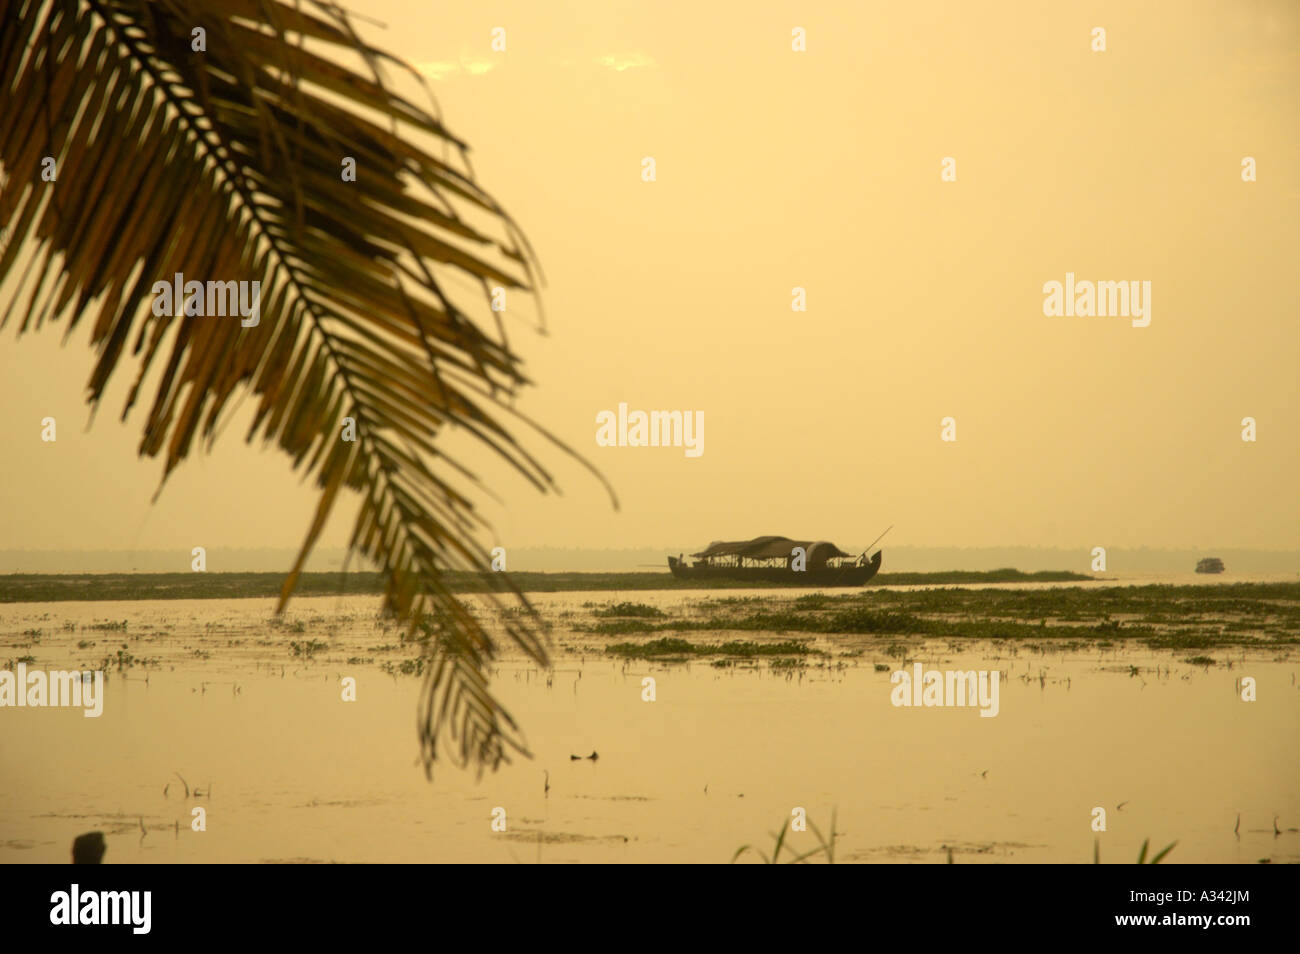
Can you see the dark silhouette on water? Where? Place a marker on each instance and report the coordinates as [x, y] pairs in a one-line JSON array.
[[88, 849], [776, 560]]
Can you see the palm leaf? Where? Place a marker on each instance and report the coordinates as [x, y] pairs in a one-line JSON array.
[[1160, 857], [225, 165]]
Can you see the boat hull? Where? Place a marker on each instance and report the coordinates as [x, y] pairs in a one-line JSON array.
[[855, 575]]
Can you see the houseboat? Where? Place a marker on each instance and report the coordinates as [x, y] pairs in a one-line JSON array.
[[777, 560]]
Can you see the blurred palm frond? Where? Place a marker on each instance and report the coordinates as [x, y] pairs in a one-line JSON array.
[[225, 164]]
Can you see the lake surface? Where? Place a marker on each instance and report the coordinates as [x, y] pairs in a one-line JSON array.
[[290, 772]]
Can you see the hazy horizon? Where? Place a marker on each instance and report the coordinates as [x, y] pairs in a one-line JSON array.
[[925, 297], [1120, 561]]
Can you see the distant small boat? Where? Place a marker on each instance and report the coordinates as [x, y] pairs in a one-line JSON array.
[[1210, 565], [773, 559]]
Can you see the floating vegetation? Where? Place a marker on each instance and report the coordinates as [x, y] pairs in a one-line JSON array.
[[1183, 640], [813, 601], [861, 620], [407, 667], [123, 659], [668, 646], [1064, 618], [619, 610], [308, 649], [1190, 618]]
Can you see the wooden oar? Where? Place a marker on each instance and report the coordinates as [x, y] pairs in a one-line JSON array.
[[874, 542]]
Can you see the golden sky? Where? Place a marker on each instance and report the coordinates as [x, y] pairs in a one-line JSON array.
[[821, 169]]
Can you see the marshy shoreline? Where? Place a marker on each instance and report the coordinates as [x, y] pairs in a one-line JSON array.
[[1050, 611], [98, 587], [1162, 616], [782, 628]]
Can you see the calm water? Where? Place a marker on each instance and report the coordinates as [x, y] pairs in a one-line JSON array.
[[718, 761]]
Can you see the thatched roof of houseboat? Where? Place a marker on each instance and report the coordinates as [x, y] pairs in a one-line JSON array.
[[762, 548]]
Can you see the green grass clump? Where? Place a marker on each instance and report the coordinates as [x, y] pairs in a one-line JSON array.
[[621, 610], [307, 649], [860, 619], [407, 667], [1142, 855], [825, 846]]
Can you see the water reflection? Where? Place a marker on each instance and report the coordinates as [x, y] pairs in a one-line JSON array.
[[286, 771]]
